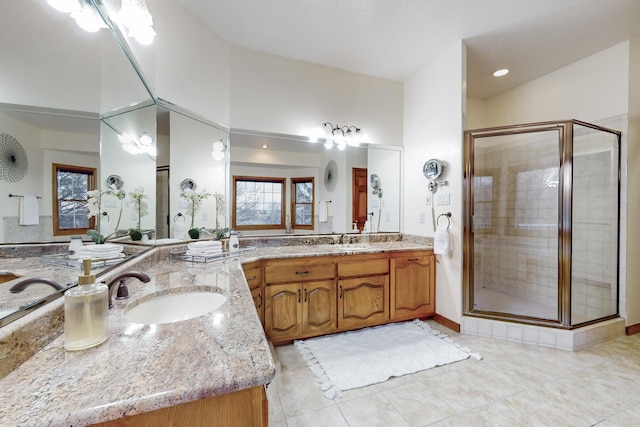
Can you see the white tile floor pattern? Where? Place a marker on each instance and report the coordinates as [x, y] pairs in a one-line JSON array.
[[514, 385]]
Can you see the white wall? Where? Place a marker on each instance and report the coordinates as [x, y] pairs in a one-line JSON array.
[[187, 64], [590, 89], [433, 112], [275, 94], [632, 169]]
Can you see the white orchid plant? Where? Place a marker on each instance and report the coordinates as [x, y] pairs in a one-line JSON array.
[[139, 205], [94, 204], [195, 201]]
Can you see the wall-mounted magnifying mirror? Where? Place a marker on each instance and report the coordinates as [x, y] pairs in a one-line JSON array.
[[188, 184], [115, 181]]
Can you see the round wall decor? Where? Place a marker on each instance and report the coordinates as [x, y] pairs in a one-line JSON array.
[[13, 159], [331, 175]]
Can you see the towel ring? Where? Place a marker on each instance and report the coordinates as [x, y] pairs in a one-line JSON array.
[[179, 215], [448, 215]]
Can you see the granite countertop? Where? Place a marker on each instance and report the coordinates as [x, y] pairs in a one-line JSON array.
[[31, 267], [141, 368]]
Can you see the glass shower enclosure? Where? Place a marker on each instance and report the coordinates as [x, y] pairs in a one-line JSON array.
[[541, 223]]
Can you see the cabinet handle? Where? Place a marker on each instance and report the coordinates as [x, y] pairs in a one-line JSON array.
[[302, 272], [299, 296], [340, 296], [253, 278], [413, 259], [260, 299], [305, 294]]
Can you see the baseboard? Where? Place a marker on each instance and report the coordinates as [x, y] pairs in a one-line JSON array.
[[446, 322], [633, 329]]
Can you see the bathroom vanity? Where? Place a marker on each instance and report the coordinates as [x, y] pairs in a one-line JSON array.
[[212, 370], [310, 296]]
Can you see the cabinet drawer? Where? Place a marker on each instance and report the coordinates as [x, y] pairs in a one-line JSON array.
[[298, 272], [363, 268], [253, 277]]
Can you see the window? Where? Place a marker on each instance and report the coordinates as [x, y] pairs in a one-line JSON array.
[[258, 203], [70, 186], [302, 203], [536, 198]]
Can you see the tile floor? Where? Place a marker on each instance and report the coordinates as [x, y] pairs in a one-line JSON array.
[[514, 385]]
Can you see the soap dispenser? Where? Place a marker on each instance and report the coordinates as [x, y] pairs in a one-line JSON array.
[[86, 308]]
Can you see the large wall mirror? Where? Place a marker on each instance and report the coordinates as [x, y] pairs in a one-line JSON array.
[[64, 95], [342, 192], [57, 82]]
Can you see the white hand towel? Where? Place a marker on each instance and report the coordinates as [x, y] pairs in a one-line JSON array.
[[29, 214], [179, 230], [442, 241], [323, 216]]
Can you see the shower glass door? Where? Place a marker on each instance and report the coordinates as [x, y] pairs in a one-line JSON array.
[[594, 267], [541, 235], [515, 202]]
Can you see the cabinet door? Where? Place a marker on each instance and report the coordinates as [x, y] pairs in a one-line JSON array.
[[258, 300], [363, 301], [283, 311], [253, 277], [319, 308], [412, 287]]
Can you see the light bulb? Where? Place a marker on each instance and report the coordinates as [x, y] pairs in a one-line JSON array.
[[218, 146], [328, 144], [66, 6], [88, 19], [144, 36], [145, 139]]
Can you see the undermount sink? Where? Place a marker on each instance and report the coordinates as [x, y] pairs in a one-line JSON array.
[[176, 307]]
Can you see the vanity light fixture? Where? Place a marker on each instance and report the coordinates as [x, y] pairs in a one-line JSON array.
[[65, 6], [501, 72], [219, 150], [132, 145], [341, 136], [82, 11], [135, 15]]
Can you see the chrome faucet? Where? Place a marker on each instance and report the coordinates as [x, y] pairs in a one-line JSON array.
[[23, 284], [123, 291], [343, 237]]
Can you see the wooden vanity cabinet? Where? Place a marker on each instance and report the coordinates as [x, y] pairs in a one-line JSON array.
[[363, 291], [244, 408], [412, 285], [298, 303], [253, 275]]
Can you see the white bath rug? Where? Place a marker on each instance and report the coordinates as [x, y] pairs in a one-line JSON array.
[[368, 356]]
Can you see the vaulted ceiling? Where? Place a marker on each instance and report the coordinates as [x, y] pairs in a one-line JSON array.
[[393, 39]]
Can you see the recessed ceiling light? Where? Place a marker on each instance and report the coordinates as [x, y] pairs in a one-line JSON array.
[[501, 72], [265, 146]]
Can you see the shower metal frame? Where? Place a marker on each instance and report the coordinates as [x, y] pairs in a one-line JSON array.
[[565, 215]]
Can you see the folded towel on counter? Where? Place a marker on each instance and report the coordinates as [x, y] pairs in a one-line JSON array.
[[203, 253], [29, 214], [208, 244], [113, 255], [106, 247], [107, 250]]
